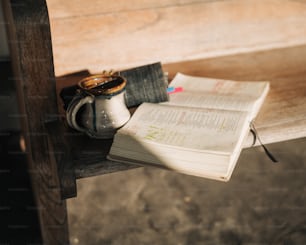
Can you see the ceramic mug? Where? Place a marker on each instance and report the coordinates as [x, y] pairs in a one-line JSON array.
[[99, 107]]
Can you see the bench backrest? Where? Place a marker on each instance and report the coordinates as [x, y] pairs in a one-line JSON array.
[[100, 34]]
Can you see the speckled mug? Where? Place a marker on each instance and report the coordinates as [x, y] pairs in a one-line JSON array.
[[99, 108]]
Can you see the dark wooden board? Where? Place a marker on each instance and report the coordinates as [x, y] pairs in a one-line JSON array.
[[31, 52]]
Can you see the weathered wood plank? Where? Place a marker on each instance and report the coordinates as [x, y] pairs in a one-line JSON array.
[[31, 51], [77, 8], [173, 33], [60, 148]]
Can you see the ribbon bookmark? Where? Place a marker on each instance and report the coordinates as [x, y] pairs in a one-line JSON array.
[[256, 136]]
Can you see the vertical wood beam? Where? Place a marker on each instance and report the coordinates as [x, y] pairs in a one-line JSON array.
[[29, 37]]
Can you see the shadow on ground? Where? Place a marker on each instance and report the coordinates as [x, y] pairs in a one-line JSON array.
[[263, 203]]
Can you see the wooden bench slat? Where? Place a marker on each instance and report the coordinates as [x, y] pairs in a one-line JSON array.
[[174, 33], [77, 8], [31, 53]]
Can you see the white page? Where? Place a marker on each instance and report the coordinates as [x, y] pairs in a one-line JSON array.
[[201, 129], [216, 93], [214, 101]]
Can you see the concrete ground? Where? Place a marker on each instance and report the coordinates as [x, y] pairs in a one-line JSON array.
[[263, 203]]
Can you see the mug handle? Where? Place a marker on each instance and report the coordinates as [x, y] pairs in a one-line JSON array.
[[73, 108]]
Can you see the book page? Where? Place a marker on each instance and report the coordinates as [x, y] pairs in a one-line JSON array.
[[210, 100], [195, 129], [216, 93]]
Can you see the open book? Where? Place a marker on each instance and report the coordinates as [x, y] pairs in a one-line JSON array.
[[199, 131]]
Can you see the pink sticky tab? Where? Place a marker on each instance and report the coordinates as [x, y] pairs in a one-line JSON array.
[[175, 90]]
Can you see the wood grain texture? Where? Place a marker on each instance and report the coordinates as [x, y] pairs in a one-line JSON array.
[[78, 8], [130, 35], [60, 148], [79, 156], [29, 37]]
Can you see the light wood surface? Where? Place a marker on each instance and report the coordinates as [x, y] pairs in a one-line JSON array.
[[99, 35]]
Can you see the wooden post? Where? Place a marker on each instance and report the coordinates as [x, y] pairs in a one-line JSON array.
[[31, 51]]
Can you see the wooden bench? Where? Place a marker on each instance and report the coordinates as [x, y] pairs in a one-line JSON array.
[[238, 39]]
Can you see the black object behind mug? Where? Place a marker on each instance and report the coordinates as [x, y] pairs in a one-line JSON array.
[[144, 84]]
